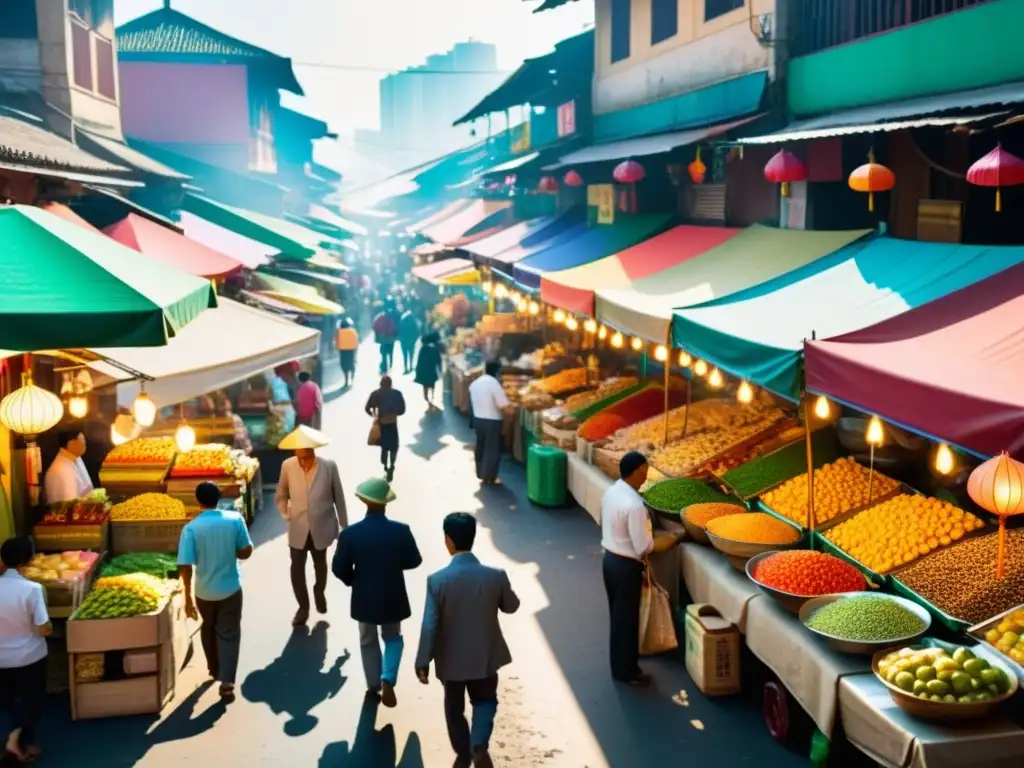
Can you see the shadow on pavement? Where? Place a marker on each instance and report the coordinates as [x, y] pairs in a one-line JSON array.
[[430, 439], [371, 748], [295, 682]]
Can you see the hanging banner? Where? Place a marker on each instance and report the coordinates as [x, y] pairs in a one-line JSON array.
[[593, 195], [605, 203], [521, 138], [567, 119]]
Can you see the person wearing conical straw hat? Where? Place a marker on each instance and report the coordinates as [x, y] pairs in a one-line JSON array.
[[371, 558], [310, 498]]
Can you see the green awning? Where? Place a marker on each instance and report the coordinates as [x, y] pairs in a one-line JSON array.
[[292, 240], [65, 286]]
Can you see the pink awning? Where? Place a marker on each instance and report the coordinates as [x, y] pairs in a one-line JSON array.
[[163, 244], [437, 270], [464, 227], [249, 252], [950, 369]]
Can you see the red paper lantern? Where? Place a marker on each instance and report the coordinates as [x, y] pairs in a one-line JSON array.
[[628, 172], [785, 168], [872, 177], [548, 184], [573, 179], [697, 169], [997, 169]]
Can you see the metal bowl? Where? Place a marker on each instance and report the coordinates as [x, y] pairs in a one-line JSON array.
[[864, 647], [789, 601]]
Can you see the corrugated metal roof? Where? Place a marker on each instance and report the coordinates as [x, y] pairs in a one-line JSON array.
[[30, 146], [850, 130], [132, 157]]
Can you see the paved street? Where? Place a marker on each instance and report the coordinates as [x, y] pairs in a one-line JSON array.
[[301, 692]]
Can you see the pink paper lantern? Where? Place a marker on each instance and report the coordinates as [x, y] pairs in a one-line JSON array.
[[628, 172], [785, 168], [997, 169], [573, 179]]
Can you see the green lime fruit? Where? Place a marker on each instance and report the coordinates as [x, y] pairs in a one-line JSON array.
[[948, 674], [967, 698], [974, 667], [975, 684], [983, 696], [935, 697], [961, 683], [947, 663], [925, 673], [938, 688], [920, 686], [962, 654], [1002, 681], [993, 689], [905, 681], [949, 698], [989, 676]]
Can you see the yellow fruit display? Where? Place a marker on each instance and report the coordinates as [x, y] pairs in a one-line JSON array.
[[206, 458], [144, 450], [1008, 636], [839, 487], [900, 530], [683, 457], [149, 506], [563, 381]]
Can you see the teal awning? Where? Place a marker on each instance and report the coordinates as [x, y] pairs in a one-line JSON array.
[[758, 334]]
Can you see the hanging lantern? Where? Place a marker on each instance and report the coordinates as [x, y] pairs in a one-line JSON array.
[[685, 359], [116, 438], [871, 178], [617, 340], [185, 437], [715, 380], [559, 316], [997, 169], [571, 323], [628, 172], [700, 368], [572, 179], [500, 291], [548, 184], [785, 168], [998, 487], [661, 353], [697, 169], [745, 393], [83, 381], [30, 411], [78, 406], [534, 308], [144, 409], [602, 333], [637, 344]]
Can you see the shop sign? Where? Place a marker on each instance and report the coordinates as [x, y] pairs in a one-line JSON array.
[[567, 119], [605, 201], [521, 138]]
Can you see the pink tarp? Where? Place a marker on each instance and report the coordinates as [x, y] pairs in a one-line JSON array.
[[951, 369]]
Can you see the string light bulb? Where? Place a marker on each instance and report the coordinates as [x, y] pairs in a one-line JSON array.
[[514, 297], [745, 393], [715, 380], [685, 359], [602, 333], [822, 408], [487, 286], [185, 437], [945, 461], [571, 323], [637, 343], [534, 308], [500, 291], [700, 368], [590, 326], [559, 316], [78, 406], [661, 353], [617, 340], [876, 434], [144, 409]]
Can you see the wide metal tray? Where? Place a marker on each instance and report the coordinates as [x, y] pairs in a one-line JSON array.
[[978, 633]]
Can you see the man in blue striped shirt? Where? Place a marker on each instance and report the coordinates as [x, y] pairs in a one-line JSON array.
[[210, 547]]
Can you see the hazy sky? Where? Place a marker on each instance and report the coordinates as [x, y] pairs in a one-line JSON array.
[[373, 37]]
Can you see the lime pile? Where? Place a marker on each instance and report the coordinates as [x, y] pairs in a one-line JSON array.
[[935, 674]]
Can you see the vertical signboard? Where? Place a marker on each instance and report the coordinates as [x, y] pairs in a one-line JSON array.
[[604, 199], [567, 119]]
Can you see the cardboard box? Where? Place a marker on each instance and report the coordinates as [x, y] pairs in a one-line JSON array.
[[101, 635], [712, 651], [145, 695], [141, 661], [145, 535]]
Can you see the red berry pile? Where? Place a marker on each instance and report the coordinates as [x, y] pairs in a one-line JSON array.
[[802, 572]]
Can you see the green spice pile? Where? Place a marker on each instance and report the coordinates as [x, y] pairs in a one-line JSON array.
[[866, 618], [961, 580], [786, 463], [156, 564], [675, 494]]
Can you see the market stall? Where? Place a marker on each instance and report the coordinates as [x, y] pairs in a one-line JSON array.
[[482, 250], [564, 229]]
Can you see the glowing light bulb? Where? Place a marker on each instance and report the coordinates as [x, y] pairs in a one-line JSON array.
[[534, 308], [185, 437], [571, 323], [144, 410], [602, 333], [822, 408], [500, 291], [617, 340], [559, 316], [514, 297], [875, 434], [685, 359], [945, 461], [661, 353], [590, 326], [486, 286], [700, 368], [637, 343], [745, 394], [78, 406], [715, 379]]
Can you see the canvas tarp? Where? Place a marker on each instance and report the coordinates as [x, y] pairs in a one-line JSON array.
[[465, 225], [563, 229], [951, 369], [759, 334], [753, 256]]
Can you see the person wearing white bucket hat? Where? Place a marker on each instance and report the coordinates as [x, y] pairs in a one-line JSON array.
[[310, 497]]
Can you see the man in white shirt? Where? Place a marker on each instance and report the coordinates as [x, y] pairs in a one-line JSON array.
[[67, 478], [627, 538], [488, 400]]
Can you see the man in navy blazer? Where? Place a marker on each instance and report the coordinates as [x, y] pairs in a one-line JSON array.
[[371, 558]]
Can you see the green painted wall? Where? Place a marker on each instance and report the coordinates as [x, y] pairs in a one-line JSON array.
[[968, 49]]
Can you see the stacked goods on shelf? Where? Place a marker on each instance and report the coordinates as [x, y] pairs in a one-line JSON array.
[[565, 381], [839, 488], [901, 530], [137, 466], [158, 564], [208, 460], [148, 507], [635, 409], [150, 522], [765, 473], [607, 392], [674, 495], [785, 434], [535, 401], [75, 524], [230, 469]]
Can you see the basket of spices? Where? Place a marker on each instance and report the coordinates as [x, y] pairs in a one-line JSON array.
[[865, 622], [696, 517], [794, 577], [669, 498], [748, 534]]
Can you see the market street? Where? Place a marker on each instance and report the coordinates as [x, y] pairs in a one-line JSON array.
[[301, 693]]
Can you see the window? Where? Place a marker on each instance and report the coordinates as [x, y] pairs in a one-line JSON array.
[[715, 8], [664, 20], [92, 46], [81, 55], [105, 82], [620, 29], [19, 20]]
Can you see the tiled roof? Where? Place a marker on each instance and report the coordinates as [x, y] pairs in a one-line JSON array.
[[26, 144], [132, 158], [169, 31]]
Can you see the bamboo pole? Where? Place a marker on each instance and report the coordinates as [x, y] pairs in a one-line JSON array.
[[668, 369], [689, 395], [808, 442]]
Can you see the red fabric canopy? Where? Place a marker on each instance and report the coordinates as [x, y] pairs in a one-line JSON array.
[[163, 244], [951, 369], [59, 209]]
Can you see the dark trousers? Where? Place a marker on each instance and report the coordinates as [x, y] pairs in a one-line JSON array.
[[483, 696], [23, 693], [221, 635], [408, 347], [387, 355], [623, 581], [298, 572], [488, 448]]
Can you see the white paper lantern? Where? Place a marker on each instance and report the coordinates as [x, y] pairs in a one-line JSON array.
[[30, 410], [144, 410]]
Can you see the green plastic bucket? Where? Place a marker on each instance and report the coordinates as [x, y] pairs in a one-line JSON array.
[[546, 475]]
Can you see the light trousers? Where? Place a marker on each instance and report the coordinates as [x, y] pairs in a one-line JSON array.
[[379, 667]]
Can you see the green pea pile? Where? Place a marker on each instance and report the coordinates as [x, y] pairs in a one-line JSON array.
[[755, 476], [676, 494], [866, 618]]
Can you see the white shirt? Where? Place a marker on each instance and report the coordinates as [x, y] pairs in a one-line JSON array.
[[66, 479], [625, 525], [487, 397], [22, 610]]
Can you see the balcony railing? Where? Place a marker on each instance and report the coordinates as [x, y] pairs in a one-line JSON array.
[[821, 24]]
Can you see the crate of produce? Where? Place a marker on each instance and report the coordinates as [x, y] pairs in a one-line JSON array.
[[66, 577], [583, 406], [211, 460], [763, 474], [608, 461], [128, 536], [162, 565], [563, 438], [638, 407], [1004, 635], [142, 453], [781, 434], [62, 538], [145, 694], [124, 612]]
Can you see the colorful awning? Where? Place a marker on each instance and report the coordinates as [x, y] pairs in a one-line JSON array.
[[466, 225], [435, 272], [250, 253], [467, 276], [61, 210], [951, 369], [328, 216], [494, 244], [561, 229], [163, 244], [592, 244], [751, 257], [305, 298], [573, 289], [759, 334], [438, 216]]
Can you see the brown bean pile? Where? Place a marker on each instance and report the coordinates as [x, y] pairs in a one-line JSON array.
[[961, 580]]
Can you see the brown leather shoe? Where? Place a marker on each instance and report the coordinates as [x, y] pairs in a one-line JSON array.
[[482, 759], [320, 600], [387, 695], [301, 617]]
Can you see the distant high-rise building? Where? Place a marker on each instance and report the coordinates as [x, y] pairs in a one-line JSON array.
[[418, 105]]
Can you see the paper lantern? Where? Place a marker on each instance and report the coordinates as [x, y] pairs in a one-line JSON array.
[[637, 344], [30, 410], [572, 323], [559, 316], [548, 184], [590, 326], [998, 487], [871, 178], [785, 168], [997, 169], [573, 179], [700, 368], [534, 308], [144, 409], [685, 359], [602, 333], [661, 353], [617, 340], [697, 169], [628, 172]]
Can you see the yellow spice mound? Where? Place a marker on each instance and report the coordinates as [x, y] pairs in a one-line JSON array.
[[753, 528]]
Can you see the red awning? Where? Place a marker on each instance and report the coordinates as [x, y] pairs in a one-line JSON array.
[[59, 209], [166, 245], [950, 369], [438, 270], [464, 227]]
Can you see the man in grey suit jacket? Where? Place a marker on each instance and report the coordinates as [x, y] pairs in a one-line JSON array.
[[462, 636]]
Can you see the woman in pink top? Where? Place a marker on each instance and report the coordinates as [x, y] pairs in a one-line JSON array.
[[309, 401]]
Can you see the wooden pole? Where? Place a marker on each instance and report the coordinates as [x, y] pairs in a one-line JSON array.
[[871, 471], [808, 443], [1001, 562], [668, 369], [689, 394]]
